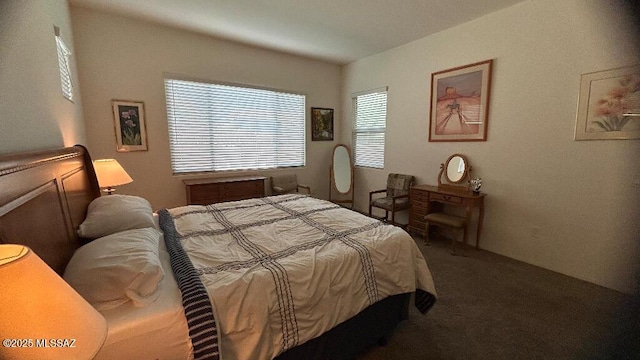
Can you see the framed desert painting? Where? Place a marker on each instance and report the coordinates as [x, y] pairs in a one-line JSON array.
[[609, 105], [460, 103], [129, 123]]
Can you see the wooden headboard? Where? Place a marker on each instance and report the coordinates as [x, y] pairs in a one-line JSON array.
[[43, 200]]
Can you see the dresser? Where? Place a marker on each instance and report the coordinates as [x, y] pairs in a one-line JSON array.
[[425, 199], [215, 190]]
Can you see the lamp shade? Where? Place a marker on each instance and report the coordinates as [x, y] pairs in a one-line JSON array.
[[110, 173], [41, 316]]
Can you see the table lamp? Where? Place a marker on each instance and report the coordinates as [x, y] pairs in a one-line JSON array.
[[41, 316], [110, 173]]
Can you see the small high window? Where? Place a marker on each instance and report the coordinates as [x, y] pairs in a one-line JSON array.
[[64, 66]]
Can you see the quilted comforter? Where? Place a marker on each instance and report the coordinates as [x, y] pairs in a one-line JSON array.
[[278, 271]]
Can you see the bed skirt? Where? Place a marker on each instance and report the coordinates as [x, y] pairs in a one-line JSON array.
[[350, 338]]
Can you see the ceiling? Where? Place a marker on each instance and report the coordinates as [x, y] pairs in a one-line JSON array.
[[339, 31]]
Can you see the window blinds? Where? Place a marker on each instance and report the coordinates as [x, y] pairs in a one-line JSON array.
[[370, 121], [216, 127]]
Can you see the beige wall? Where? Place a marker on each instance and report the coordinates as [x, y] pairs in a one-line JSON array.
[[121, 58], [35, 115], [569, 206]]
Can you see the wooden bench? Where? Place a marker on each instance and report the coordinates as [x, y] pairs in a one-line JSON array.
[[456, 222]]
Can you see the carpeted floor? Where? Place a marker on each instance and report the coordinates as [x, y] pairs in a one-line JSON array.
[[493, 307]]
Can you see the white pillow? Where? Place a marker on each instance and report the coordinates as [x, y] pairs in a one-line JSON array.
[[121, 267], [113, 213]]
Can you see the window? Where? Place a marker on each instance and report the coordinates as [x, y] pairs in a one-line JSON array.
[[217, 127], [64, 66], [370, 122]]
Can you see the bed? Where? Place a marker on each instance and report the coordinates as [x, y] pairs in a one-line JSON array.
[[284, 277]]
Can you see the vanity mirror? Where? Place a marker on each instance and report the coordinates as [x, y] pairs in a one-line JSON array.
[[455, 173]]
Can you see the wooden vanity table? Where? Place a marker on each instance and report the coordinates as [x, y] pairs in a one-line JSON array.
[[451, 191], [426, 199]]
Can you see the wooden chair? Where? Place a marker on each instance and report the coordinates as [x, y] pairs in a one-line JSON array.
[[396, 197], [456, 222], [285, 184]]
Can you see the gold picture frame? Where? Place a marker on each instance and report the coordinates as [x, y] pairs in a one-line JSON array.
[[130, 125], [460, 103], [609, 105]]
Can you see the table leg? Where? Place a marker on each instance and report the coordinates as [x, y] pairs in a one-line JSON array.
[[480, 218], [469, 210]]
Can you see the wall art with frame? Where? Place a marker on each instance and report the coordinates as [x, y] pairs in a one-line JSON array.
[[130, 127], [460, 103], [321, 124], [609, 105]]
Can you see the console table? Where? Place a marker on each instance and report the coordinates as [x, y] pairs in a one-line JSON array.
[[425, 199], [215, 190]]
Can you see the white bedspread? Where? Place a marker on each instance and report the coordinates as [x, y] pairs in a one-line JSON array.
[[283, 270]]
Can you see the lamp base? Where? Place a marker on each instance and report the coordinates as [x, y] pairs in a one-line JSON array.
[[109, 190]]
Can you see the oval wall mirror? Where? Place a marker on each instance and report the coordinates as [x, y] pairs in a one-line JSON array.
[[341, 173], [456, 168]]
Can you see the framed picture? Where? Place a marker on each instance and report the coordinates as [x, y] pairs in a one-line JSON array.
[[321, 124], [609, 105], [460, 103], [129, 121]]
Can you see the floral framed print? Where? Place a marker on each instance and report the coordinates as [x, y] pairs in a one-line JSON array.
[[460, 103], [321, 124], [609, 105], [130, 127]]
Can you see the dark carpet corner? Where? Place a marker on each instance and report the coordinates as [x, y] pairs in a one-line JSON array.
[[493, 307]]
